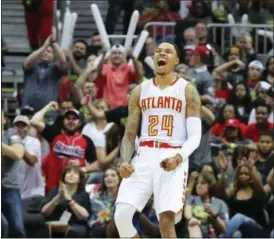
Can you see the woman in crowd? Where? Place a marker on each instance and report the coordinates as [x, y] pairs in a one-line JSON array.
[[102, 205], [246, 200], [268, 75], [241, 99], [227, 112], [69, 197], [106, 140], [207, 215]]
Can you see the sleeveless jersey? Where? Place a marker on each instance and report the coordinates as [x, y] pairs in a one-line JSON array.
[[164, 112]]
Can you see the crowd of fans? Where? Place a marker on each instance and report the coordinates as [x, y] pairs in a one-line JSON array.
[[60, 155]]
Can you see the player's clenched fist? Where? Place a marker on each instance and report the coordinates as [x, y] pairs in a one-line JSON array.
[[126, 170], [171, 163]]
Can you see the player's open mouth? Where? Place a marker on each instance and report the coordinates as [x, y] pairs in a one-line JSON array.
[[161, 62]]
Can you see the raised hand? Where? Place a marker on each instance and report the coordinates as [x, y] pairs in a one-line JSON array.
[[47, 42], [223, 162], [53, 105], [53, 35]]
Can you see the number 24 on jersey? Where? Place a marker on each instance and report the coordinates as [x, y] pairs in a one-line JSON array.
[[167, 124]]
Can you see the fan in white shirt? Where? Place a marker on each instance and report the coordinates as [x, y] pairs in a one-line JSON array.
[[30, 168]]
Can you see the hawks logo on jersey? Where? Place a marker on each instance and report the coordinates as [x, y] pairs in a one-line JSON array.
[[162, 102]]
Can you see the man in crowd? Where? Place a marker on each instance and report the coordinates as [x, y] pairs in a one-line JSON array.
[[11, 204], [42, 75], [204, 81], [253, 131], [31, 182], [67, 145], [76, 59], [117, 76]]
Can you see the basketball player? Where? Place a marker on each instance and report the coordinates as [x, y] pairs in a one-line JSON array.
[[170, 132]]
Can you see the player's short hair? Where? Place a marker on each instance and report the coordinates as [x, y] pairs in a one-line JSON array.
[[177, 49]]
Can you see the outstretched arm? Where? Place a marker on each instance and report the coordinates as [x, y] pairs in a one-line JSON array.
[[132, 125]]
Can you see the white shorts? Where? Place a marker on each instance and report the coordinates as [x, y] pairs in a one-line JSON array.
[[149, 178]]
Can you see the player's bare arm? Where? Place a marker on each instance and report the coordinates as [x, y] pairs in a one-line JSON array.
[[132, 125], [193, 102], [193, 111]]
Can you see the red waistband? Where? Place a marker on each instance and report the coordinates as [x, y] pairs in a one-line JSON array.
[[156, 144]]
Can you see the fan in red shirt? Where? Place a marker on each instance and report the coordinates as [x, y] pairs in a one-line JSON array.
[[227, 112], [67, 145], [116, 76], [253, 131]]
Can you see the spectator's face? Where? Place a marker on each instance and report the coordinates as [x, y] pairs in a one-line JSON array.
[[189, 38], [254, 73], [261, 93], [102, 106], [111, 179], [47, 55], [72, 177], [183, 72], [65, 106], [201, 30], [233, 55], [187, 57], [195, 60], [270, 68], [240, 91], [265, 144], [261, 115], [229, 112], [117, 58], [71, 123], [244, 176], [165, 58], [89, 89], [244, 41], [79, 50], [202, 187], [231, 132], [96, 40], [21, 128], [91, 59]]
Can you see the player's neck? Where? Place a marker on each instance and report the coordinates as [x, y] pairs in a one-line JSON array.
[[165, 80]]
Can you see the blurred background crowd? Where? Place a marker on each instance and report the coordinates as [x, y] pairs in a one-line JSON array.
[[64, 118]]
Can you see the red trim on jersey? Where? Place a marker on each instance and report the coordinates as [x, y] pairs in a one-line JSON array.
[[173, 83], [156, 144]]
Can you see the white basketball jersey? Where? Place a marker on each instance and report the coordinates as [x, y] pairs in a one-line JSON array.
[[164, 112]]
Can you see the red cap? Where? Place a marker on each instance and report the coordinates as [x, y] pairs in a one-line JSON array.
[[232, 123], [202, 51]]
